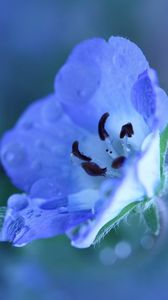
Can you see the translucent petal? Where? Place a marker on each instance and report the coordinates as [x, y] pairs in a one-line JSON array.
[[39, 146], [161, 108], [34, 154], [84, 200], [148, 167], [86, 50], [149, 100], [32, 222], [44, 112], [97, 79], [128, 190], [141, 178], [143, 96]]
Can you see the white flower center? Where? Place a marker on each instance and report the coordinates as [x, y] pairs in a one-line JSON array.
[[117, 160]]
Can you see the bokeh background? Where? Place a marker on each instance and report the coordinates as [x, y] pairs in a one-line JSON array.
[[35, 39]]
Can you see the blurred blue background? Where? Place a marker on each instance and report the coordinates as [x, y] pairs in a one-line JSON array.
[[35, 39]]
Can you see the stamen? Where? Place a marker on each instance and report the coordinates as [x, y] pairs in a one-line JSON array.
[[126, 130], [77, 153], [103, 134], [93, 169], [118, 162]]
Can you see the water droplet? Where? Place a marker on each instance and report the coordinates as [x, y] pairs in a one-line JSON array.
[[82, 93], [46, 189], [51, 111], [18, 202], [14, 155], [36, 165], [27, 125], [41, 144], [55, 204], [78, 82]]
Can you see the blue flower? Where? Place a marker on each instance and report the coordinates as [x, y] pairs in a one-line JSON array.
[[86, 152]]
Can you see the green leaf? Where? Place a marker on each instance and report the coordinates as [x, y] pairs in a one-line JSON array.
[[110, 225], [151, 217], [163, 149]]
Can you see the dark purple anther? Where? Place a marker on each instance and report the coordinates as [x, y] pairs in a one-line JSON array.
[[126, 130], [77, 153], [93, 169], [118, 162], [103, 134]]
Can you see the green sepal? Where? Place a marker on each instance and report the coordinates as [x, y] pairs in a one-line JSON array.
[[115, 221], [163, 150], [151, 217]]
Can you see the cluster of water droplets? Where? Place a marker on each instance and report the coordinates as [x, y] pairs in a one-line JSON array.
[[39, 145]]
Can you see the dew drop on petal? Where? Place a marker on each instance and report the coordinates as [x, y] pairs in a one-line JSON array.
[[51, 112], [14, 155], [18, 202], [58, 204], [27, 125], [36, 165], [77, 82], [46, 189], [41, 144]]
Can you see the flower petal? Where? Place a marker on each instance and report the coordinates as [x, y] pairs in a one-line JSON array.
[[84, 200], [148, 167], [127, 191], [98, 78], [143, 96], [29, 223], [39, 146], [161, 108], [149, 100], [141, 178], [29, 156]]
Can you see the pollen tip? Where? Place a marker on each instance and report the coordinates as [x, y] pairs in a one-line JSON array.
[[93, 169], [118, 162], [126, 130], [76, 152], [103, 134]]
